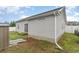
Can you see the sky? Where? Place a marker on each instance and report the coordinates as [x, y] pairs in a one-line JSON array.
[[72, 13], [12, 13]]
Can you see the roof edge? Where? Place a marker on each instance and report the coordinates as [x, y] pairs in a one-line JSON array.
[[24, 19]]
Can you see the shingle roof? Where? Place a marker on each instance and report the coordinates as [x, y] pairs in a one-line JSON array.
[[51, 12]]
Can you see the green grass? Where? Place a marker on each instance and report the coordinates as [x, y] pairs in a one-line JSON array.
[[16, 35], [69, 42]]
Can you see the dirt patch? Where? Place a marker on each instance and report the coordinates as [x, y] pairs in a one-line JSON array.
[[32, 45]]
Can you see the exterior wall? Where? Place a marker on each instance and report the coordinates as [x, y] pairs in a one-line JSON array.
[[20, 26], [4, 38], [45, 27], [60, 24], [42, 27], [71, 29]]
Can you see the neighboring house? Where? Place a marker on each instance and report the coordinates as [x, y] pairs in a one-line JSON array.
[[48, 26], [71, 26]]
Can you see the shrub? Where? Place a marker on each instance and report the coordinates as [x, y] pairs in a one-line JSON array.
[[76, 32]]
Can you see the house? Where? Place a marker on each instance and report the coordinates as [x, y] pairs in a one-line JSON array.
[[4, 35], [48, 26], [71, 26]]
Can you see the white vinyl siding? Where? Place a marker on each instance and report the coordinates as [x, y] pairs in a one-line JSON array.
[[44, 27]]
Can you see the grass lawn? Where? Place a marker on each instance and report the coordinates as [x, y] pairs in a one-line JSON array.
[[16, 35], [68, 41]]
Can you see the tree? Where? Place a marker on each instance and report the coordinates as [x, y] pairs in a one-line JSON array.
[[12, 24]]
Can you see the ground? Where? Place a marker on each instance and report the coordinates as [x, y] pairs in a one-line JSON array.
[[33, 45], [69, 42], [16, 35], [30, 45]]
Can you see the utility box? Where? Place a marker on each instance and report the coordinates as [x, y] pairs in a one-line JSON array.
[[4, 35]]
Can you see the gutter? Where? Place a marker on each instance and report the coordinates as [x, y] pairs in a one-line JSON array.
[[55, 32]]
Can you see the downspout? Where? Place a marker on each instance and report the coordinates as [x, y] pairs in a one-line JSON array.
[[55, 35]]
